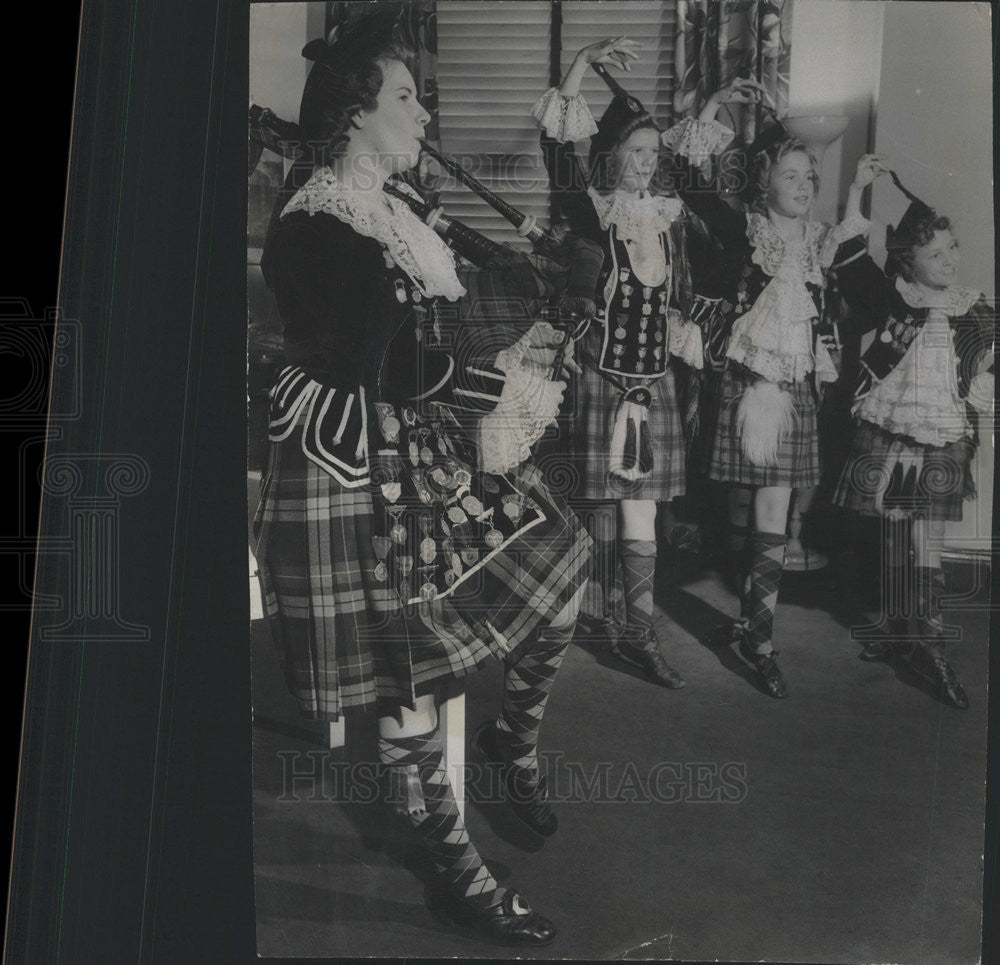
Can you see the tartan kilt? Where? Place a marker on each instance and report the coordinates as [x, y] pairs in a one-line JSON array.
[[344, 638], [877, 479], [585, 475], [798, 454]]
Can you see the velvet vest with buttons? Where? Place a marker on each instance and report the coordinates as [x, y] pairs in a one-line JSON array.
[[634, 315]]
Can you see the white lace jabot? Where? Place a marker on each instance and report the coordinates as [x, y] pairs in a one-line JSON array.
[[633, 216], [416, 248], [953, 300]]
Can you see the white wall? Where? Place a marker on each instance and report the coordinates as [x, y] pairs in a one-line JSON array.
[[278, 32], [935, 123], [836, 53]]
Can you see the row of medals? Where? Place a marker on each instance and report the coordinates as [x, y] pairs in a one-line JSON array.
[[452, 480], [643, 337]]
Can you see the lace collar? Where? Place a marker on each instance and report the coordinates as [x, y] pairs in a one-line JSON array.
[[770, 247], [413, 246], [953, 300], [633, 216]]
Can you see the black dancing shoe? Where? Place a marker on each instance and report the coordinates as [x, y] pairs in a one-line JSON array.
[[767, 668], [509, 922], [526, 794], [640, 648], [887, 640], [929, 662]]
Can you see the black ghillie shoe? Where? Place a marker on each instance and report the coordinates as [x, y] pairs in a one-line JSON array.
[[509, 922], [640, 648], [929, 662], [526, 793], [767, 668]]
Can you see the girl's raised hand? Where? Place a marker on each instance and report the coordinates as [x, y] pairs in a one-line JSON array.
[[744, 90], [870, 167], [616, 51]]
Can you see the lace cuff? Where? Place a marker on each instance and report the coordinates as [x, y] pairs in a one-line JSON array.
[[695, 139], [564, 118], [851, 227], [684, 341], [528, 404]]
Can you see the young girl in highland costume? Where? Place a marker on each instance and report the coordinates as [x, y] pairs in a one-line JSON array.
[[762, 424]]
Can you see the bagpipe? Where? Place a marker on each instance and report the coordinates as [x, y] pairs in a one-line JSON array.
[[582, 258]]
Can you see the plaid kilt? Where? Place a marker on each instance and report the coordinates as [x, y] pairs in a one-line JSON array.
[[893, 475], [578, 468], [345, 639], [798, 455]]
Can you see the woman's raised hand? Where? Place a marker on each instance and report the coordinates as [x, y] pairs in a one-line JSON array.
[[616, 51], [870, 167]]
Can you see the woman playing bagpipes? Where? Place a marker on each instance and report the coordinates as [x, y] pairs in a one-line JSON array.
[[628, 442], [395, 552], [909, 464], [765, 336]]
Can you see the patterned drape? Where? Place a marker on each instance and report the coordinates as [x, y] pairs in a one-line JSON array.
[[720, 40]]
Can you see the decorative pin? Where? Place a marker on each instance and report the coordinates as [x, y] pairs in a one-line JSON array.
[[400, 291], [414, 452], [417, 296], [623, 274], [886, 336], [426, 456], [470, 556], [472, 505], [410, 416], [647, 309]]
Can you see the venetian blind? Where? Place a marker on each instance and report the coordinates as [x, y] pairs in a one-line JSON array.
[[493, 63]]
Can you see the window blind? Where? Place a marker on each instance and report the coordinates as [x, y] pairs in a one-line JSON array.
[[493, 63]]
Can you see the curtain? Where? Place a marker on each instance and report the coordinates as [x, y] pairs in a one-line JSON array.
[[720, 40]]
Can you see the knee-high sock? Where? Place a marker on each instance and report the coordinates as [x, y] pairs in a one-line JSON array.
[[422, 792], [527, 683], [897, 577], [638, 568], [767, 560], [602, 525], [930, 588]]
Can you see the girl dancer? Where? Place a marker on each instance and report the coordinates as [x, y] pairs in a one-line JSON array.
[[910, 460], [627, 435], [390, 560], [763, 427]]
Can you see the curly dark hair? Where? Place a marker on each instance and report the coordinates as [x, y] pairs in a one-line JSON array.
[[345, 78], [765, 161], [604, 161], [912, 232]]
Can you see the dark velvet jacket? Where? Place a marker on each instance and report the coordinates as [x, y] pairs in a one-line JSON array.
[[876, 300]]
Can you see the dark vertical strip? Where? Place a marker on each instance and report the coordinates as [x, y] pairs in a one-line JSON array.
[[555, 76]]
